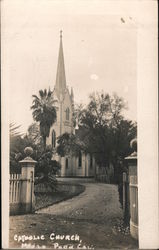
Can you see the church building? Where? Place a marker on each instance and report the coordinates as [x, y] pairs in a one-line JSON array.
[[84, 164]]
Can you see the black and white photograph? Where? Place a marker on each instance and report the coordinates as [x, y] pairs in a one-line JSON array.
[[72, 84]]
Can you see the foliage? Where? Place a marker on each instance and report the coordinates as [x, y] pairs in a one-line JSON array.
[[46, 168], [34, 133], [17, 146], [102, 110], [45, 164], [13, 130], [69, 143], [44, 112]]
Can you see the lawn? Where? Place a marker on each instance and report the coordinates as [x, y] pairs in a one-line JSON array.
[[64, 191]]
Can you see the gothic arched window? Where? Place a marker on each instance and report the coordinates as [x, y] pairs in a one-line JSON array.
[[67, 114], [53, 139], [66, 162], [80, 159], [91, 161]]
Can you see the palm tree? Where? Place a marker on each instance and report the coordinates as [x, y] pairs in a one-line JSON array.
[[44, 112], [15, 135], [13, 129]]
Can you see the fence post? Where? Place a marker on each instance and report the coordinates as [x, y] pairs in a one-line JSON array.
[[133, 190], [27, 176]]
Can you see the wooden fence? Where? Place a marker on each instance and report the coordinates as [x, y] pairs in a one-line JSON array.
[[15, 188], [105, 174], [134, 205]]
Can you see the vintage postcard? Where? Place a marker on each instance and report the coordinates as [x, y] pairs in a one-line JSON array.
[[79, 94]]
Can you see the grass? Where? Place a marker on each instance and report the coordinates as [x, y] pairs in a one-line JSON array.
[[45, 199]]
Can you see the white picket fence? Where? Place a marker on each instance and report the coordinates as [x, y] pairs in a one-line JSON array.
[[15, 188]]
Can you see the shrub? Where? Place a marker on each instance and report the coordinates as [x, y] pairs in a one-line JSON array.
[[45, 169]]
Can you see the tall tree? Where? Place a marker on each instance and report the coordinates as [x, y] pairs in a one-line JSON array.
[[109, 134], [44, 112]]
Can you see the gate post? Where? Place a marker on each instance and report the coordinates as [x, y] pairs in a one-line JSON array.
[[133, 189], [27, 179]]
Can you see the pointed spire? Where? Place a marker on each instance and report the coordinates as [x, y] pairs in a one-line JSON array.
[[72, 95], [60, 34], [60, 85]]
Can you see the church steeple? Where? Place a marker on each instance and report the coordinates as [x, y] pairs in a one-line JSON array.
[[72, 95], [60, 85]]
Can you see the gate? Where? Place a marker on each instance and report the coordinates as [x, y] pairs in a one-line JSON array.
[[134, 206]]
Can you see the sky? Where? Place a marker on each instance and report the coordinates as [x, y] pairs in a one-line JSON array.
[[100, 52]]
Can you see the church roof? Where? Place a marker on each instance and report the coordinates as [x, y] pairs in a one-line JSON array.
[[60, 85]]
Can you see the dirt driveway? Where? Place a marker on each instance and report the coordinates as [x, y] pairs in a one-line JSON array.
[[86, 221]]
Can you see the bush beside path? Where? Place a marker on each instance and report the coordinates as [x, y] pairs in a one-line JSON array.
[[64, 191]]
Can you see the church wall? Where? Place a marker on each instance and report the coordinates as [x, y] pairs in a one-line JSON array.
[[68, 168], [80, 171], [90, 169], [62, 166], [73, 168]]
